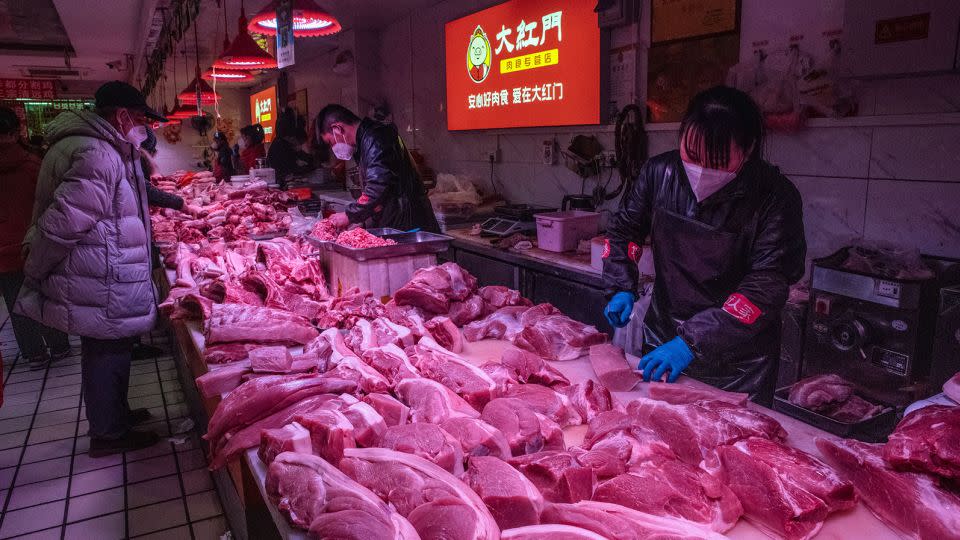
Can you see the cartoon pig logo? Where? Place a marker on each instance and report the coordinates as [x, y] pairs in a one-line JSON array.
[[478, 56]]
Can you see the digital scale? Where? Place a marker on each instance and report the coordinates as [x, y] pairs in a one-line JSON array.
[[513, 218]]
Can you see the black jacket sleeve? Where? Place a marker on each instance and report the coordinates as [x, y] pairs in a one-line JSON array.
[[626, 233], [162, 199], [380, 165], [777, 261]]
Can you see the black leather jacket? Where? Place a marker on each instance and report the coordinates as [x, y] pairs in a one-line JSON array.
[[724, 265], [393, 194]]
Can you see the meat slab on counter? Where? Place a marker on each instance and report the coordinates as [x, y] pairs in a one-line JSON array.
[[552, 532], [239, 323], [432, 289], [620, 522], [927, 440], [428, 441], [952, 388], [512, 499], [821, 392]]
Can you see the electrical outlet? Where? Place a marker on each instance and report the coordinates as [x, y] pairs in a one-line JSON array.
[[494, 156], [608, 159], [549, 153]]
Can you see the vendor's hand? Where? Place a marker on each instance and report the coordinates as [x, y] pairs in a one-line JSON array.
[[619, 309], [340, 220], [192, 210], [25, 251], [674, 355]]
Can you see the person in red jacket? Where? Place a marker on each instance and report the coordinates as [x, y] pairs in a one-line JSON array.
[[18, 181], [250, 147]]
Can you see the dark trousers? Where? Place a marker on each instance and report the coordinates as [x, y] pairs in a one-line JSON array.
[[33, 338], [105, 372]]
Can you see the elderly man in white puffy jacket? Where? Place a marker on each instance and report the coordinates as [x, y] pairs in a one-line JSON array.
[[88, 271]]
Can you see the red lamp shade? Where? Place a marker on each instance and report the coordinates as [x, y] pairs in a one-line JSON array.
[[244, 53], [227, 75], [207, 95], [308, 20], [182, 112]]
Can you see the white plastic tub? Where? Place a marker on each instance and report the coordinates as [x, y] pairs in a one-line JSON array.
[[561, 231]]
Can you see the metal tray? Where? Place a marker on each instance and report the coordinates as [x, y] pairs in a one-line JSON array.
[[875, 429], [408, 243]]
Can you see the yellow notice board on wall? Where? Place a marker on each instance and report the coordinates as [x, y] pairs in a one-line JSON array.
[[680, 19]]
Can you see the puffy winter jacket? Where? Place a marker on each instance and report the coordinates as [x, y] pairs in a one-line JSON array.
[[88, 272], [18, 180]]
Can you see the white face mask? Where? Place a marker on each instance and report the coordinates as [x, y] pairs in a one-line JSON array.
[[342, 150], [136, 134], [705, 182]]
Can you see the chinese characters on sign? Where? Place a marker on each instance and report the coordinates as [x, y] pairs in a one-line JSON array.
[[526, 33], [526, 94], [26, 88]]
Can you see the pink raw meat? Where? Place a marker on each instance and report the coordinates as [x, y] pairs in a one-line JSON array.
[[432, 402], [621, 450], [754, 421], [445, 332], [908, 502], [232, 322], [498, 296], [617, 522], [820, 392], [330, 433], [854, 409], [679, 394], [318, 497], [428, 441], [466, 311], [456, 373], [367, 379], [612, 369], [359, 238], [501, 324], [368, 425], [927, 440], [275, 359], [527, 367], [550, 403], [526, 430], [558, 337], [221, 380], [512, 499], [558, 475], [477, 438], [589, 399], [290, 438], [392, 362], [783, 491], [227, 352], [673, 488], [433, 288], [437, 503], [551, 532], [393, 412]]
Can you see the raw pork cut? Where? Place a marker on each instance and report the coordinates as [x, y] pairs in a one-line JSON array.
[[445, 332], [512, 499], [622, 450], [498, 296], [477, 438], [438, 504], [377, 333], [927, 440], [393, 412], [554, 405], [433, 288], [366, 378], [820, 392], [359, 238], [909, 502], [456, 373], [290, 438], [263, 396], [368, 425], [549, 532], [952, 388], [854, 409], [467, 311], [432, 402], [589, 399], [558, 337], [612, 369], [617, 522], [227, 352], [527, 367], [526, 430], [275, 359], [318, 497], [754, 421], [784, 491], [501, 324], [428, 441], [231, 322], [346, 309], [558, 475], [675, 489], [678, 394], [330, 433], [392, 362], [221, 380]]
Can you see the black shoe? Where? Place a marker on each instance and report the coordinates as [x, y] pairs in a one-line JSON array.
[[60, 355], [142, 352], [38, 363], [133, 440], [139, 416]]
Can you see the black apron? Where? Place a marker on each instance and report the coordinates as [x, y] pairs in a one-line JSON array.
[[698, 267]]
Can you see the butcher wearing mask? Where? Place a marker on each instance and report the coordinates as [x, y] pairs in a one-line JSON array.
[[727, 239], [393, 193]]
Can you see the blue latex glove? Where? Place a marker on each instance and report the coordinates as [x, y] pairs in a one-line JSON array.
[[414, 230], [674, 355], [619, 308]]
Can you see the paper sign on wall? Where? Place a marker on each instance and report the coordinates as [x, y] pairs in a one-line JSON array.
[[524, 63]]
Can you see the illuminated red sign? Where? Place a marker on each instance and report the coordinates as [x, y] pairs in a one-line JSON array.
[[524, 63], [263, 110]]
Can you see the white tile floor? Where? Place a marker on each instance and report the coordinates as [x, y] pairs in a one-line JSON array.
[[50, 488]]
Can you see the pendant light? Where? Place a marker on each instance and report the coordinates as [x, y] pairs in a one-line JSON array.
[[222, 75], [308, 20], [244, 53], [182, 111], [198, 91]]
